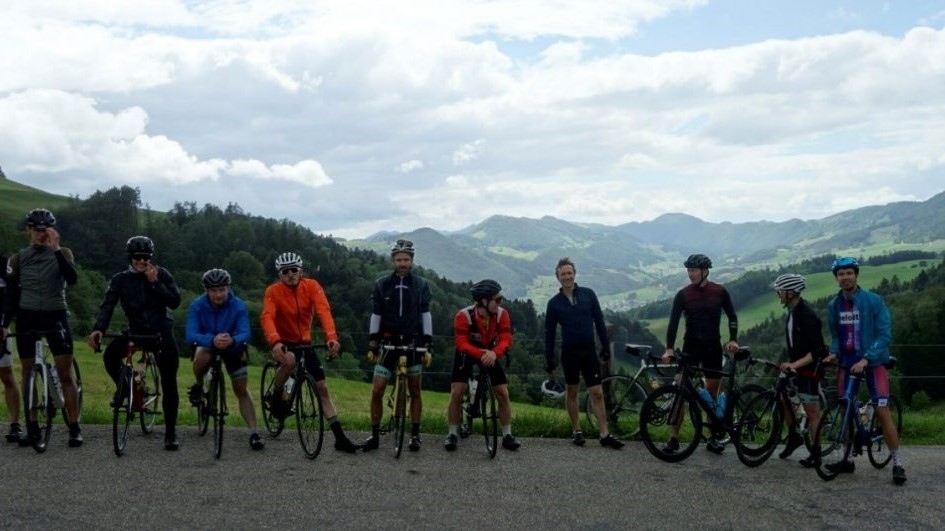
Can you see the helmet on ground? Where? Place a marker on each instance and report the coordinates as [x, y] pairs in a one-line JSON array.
[[484, 289], [40, 218], [139, 245], [844, 263], [288, 259], [790, 282], [402, 246], [698, 261], [216, 278], [552, 388]]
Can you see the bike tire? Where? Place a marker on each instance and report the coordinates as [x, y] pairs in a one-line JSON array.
[[831, 444], [623, 412], [309, 417], [151, 400], [78, 393], [876, 450], [121, 412], [203, 409], [660, 408], [274, 425], [490, 416], [758, 429], [216, 410], [400, 414], [39, 405]]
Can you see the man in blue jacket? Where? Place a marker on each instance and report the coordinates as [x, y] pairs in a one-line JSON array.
[[861, 327], [219, 321]]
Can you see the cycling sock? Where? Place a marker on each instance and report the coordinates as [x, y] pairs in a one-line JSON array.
[[415, 429], [506, 429], [454, 429], [896, 458]]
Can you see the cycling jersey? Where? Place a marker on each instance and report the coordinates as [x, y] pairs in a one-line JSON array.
[[579, 318], [147, 305], [401, 308], [861, 327], [703, 306], [205, 321], [803, 335], [288, 312], [36, 280], [472, 333]]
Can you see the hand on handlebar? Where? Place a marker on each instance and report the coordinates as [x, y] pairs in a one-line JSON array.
[[668, 356], [95, 340], [732, 346]]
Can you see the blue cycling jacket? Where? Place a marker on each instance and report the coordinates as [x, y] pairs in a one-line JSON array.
[[204, 321], [875, 325]]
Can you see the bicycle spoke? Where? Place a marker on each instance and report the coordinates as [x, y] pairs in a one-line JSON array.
[[310, 421]]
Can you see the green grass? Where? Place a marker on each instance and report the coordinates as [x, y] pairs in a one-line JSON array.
[[925, 426]]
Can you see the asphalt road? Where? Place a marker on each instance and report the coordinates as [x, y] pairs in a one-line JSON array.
[[548, 484]]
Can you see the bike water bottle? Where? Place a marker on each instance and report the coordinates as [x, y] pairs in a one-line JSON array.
[[57, 387], [720, 406], [289, 384], [138, 399]]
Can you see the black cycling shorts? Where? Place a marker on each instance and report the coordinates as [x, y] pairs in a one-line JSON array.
[[463, 369], [55, 323], [312, 364], [707, 355], [578, 361]]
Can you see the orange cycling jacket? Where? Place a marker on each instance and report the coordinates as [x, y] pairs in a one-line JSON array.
[[473, 334], [288, 313]]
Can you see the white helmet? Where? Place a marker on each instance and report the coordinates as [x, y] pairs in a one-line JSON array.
[[790, 282], [552, 388], [288, 259]]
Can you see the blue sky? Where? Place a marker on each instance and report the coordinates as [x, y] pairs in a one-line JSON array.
[[356, 117]]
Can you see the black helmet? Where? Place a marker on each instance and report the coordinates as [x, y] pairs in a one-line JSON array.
[[484, 289], [402, 246], [216, 278], [698, 261], [139, 245], [40, 218]]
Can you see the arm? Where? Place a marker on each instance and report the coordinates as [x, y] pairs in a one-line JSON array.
[[107, 306], [323, 310], [67, 266], [267, 319], [241, 333], [878, 351], [193, 334], [11, 298], [729, 310], [505, 335], [551, 328], [599, 325], [167, 289], [674, 315], [833, 325], [426, 318]]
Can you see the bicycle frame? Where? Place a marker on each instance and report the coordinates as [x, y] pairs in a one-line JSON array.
[[139, 388], [303, 398], [400, 392]]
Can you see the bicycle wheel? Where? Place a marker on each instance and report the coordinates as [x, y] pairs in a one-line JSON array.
[[39, 405], [151, 399], [623, 410], [273, 425], [466, 410], [758, 429], [400, 414], [310, 420], [121, 412], [78, 393], [665, 406], [831, 441], [217, 409], [203, 409], [877, 450], [490, 416]]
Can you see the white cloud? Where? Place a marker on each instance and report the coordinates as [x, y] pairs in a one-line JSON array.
[[468, 152], [409, 166]]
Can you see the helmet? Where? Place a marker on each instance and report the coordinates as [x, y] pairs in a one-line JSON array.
[[139, 245], [552, 388], [402, 246], [845, 262], [790, 282], [698, 261], [288, 259], [484, 289], [215, 278], [40, 218]]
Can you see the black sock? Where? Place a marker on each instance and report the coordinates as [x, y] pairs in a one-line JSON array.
[[415, 429]]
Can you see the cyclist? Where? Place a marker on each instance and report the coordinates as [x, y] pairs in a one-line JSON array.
[[218, 320], [400, 315], [702, 302], [11, 391], [805, 347], [578, 312], [861, 330], [36, 297], [483, 336], [289, 306], [147, 293]]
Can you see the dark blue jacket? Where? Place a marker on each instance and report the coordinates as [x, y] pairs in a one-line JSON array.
[[578, 320], [204, 321]]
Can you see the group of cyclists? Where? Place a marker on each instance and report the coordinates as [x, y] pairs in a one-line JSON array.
[[218, 320]]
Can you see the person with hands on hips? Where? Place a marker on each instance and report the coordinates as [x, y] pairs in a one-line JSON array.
[[577, 311]]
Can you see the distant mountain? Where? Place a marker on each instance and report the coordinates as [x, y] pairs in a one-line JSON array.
[[641, 261]]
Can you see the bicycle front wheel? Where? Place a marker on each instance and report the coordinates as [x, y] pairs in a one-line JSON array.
[[400, 414], [217, 409], [758, 429], [877, 450], [151, 396], [664, 408], [490, 416], [832, 444], [78, 393], [39, 405], [121, 412], [203, 408], [623, 400], [273, 424], [309, 419]]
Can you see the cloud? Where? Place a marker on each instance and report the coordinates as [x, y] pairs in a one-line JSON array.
[[409, 166], [468, 152]]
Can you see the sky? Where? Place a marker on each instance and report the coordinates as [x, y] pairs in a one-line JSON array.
[[362, 116]]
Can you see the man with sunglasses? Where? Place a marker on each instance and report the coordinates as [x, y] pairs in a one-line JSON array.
[[289, 308], [400, 316], [147, 294], [36, 297]]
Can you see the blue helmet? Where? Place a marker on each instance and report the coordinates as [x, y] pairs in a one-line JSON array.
[[846, 262]]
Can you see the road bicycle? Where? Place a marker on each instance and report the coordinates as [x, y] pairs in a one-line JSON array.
[[212, 404], [849, 426], [479, 402], [43, 391], [624, 394], [400, 394], [303, 401], [752, 432], [138, 390]]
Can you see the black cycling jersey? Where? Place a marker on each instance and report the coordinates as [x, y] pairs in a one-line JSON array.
[[703, 306]]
